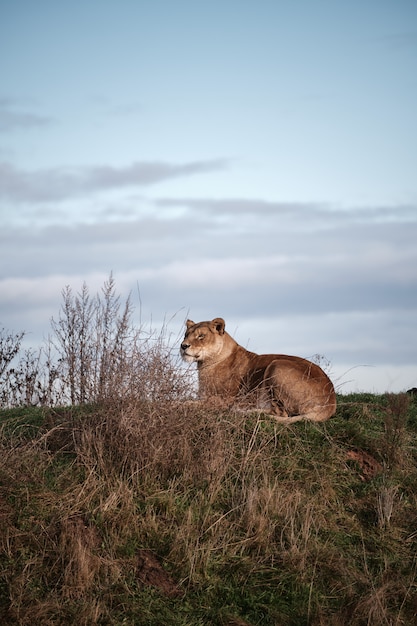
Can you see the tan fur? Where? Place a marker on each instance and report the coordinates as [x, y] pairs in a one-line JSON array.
[[289, 387]]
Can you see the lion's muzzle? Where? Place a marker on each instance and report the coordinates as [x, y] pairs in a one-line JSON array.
[[190, 358], [183, 350]]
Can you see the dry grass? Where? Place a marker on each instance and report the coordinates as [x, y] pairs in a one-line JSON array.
[[159, 511]]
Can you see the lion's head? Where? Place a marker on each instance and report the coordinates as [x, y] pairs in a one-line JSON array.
[[203, 341]]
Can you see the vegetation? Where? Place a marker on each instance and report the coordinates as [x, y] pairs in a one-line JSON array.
[[143, 508], [168, 513], [95, 352]]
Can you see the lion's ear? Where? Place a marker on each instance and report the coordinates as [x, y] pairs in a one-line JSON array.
[[219, 324], [189, 323]]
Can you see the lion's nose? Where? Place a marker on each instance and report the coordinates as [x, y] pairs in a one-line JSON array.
[[184, 346]]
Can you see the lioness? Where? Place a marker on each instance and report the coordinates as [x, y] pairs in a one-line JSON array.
[[289, 387]]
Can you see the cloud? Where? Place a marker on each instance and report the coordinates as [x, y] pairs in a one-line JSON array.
[[239, 206], [321, 214], [61, 183], [179, 264], [195, 247], [12, 119], [301, 279]]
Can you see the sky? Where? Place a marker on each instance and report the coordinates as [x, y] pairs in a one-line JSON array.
[[251, 160]]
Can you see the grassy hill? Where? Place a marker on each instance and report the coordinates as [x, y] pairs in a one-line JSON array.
[[162, 513]]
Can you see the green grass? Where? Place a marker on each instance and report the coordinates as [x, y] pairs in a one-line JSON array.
[[251, 522]]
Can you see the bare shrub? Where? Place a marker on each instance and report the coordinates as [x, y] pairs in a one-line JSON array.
[[95, 354], [9, 348], [102, 356], [27, 377], [395, 420], [94, 342]]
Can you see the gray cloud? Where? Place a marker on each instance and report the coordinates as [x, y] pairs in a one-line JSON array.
[[296, 278], [11, 118], [62, 183], [234, 206], [333, 266], [317, 212]]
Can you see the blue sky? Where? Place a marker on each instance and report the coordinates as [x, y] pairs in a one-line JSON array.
[[251, 160]]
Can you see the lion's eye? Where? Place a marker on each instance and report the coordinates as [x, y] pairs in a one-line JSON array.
[[200, 337]]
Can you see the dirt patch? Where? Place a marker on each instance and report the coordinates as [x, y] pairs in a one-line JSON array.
[[151, 573], [369, 467]]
